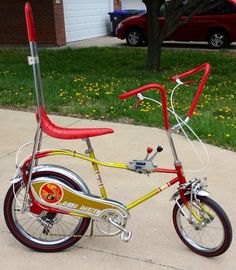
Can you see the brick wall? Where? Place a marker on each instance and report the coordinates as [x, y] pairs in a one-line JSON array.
[[46, 14], [59, 23], [117, 5]]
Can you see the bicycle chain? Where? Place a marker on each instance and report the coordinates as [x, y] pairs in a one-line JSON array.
[[79, 236], [91, 235]]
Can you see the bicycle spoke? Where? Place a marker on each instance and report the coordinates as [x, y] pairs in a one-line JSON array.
[[206, 237], [37, 229]]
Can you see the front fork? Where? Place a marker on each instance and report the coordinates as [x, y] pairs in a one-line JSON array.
[[194, 189]]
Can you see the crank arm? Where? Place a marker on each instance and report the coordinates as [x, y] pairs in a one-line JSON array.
[[125, 235], [117, 225]]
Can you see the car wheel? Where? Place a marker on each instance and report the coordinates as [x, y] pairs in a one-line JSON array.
[[134, 37], [218, 39]]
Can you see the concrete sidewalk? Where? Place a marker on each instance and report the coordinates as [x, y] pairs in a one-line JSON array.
[[105, 41], [155, 244], [109, 41]]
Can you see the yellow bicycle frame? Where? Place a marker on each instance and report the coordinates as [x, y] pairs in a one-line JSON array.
[[95, 162]]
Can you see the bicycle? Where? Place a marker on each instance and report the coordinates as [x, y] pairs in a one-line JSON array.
[[43, 198]]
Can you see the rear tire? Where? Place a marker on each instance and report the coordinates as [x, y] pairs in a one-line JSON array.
[[210, 238], [218, 39], [30, 231]]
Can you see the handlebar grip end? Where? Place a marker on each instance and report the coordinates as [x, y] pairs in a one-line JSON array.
[[30, 23], [121, 96], [173, 78]]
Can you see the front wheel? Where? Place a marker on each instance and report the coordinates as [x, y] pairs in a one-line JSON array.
[[209, 237], [134, 37]]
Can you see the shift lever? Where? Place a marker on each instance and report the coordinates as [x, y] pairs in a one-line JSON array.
[[159, 149], [149, 151]]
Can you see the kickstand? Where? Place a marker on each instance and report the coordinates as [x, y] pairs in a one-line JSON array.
[[92, 227]]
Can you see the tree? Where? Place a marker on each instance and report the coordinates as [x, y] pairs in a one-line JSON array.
[[174, 9]]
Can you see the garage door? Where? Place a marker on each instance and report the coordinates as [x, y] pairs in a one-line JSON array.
[[132, 4], [86, 18]]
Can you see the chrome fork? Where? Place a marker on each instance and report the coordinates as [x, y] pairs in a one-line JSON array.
[[194, 185]]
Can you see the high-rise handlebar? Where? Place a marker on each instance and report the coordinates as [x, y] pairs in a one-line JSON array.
[[148, 87], [205, 67]]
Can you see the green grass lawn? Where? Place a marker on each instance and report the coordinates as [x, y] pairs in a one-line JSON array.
[[86, 83]]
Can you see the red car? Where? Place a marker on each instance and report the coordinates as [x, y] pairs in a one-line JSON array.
[[217, 26]]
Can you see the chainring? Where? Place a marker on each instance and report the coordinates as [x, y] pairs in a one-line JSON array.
[[106, 227]]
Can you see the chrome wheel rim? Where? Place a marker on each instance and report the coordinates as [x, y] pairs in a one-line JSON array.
[[29, 225], [209, 236], [133, 38], [217, 40]]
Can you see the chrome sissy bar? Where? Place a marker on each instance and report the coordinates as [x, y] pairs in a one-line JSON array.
[[33, 60]]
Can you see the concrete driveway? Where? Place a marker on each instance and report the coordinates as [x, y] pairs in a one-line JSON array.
[[155, 244], [109, 41]]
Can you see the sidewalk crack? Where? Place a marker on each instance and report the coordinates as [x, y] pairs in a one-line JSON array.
[[8, 154], [149, 261]]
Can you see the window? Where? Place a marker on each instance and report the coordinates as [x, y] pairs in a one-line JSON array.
[[162, 12], [224, 8]]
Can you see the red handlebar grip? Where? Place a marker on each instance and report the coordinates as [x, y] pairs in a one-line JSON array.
[[148, 87], [206, 68], [30, 23], [131, 93]]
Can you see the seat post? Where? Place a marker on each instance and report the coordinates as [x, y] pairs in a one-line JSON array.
[[91, 153]]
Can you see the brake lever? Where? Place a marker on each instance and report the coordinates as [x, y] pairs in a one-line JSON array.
[[188, 82], [179, 82], [139, 101]]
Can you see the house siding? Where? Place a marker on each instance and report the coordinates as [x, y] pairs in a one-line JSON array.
[[59, 23]]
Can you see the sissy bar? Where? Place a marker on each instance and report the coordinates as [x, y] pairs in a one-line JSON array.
[[33, 60]]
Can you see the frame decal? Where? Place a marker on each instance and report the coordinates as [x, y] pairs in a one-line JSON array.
[[51, 193]]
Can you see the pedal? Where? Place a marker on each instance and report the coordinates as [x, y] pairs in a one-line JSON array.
[[126, 236]]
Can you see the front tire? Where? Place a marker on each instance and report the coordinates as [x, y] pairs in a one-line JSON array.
[[209, 238], [30, 229], [134, 37]]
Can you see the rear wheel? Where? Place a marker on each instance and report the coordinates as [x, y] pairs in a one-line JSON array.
[[47, 232], [210, 237], [134, 37], [218, 39]]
